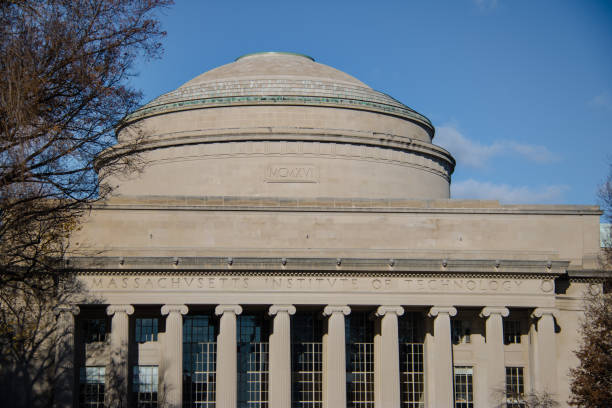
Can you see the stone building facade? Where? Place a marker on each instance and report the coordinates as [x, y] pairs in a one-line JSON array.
[[292, 243]]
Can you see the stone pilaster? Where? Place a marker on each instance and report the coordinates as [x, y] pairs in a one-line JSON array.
[[494, 346], [543, 351], [64, 356], [227, 363], [118, 369], [280, 356], [441, 394], [386, 358], [173, 355], [334, 357]]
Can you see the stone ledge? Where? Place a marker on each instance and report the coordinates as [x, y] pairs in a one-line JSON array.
[[330, 204], [315, 265]]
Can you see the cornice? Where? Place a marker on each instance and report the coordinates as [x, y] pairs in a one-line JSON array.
[[313, 266], [331, 204]]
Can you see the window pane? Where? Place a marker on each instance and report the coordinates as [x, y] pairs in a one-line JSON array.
[[307, 361], [252, 336], [412, 376], [515, 389], [146, 329], [91, 387], [360, 360], [145, 386], [463, 387], [199, 361]]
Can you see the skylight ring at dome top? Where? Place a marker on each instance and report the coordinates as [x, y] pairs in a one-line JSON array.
[[294, 54]]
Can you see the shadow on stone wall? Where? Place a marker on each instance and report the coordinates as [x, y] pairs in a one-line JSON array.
[[36, 342]]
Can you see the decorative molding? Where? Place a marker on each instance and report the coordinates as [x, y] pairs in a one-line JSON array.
[[331, 309], [383, 310], [488, 311], [253, 92], [66, 308], [112, 309], [436, 310], [167, 309], [274, 309], [536, 269], [350, 205], [221, 309], [541, 311], [365, 148]]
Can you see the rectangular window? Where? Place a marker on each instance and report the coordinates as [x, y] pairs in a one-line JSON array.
[[91, 387], [360, 360], [146, 329], [461, 331], [252, 335], [512, 331], [412, 374], [464, 390], [199, 361], [93, 330], [307, 361], [515, 388], [145, 386]]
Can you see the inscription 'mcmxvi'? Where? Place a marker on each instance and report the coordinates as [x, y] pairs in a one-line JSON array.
[[291, 173]]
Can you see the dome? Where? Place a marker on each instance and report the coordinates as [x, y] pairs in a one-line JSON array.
[[282, 125], [279, 78]]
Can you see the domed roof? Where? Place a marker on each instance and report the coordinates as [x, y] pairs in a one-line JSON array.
[[277, 65], [277, 78]]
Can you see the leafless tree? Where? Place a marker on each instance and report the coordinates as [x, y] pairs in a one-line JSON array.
[[535, 399], [591, 384], [605, 197], [65, 67]]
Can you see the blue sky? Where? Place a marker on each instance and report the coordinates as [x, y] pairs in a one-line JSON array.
[[520, 91]]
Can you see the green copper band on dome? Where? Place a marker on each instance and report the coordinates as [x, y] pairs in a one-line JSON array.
[[279, 99], [295, 54]]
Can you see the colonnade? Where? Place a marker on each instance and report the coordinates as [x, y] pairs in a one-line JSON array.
[[439, 359]]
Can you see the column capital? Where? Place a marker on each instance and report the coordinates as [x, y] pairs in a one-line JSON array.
[[167, 309], [489, 310], [383, 310], [221, 309], [65, 308], [112, 309], [274, 309], [541, 311], [331, 309], [436, 310]]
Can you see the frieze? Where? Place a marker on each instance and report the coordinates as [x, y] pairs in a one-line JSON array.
[[318, 284]]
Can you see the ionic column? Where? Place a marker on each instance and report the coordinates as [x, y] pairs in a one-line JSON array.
[[118, 374], [173, 355], [543, 351], [64, 356], [334, 391], [280, 356], [441, 394], [494, 346], [386, 358], [227, 364]]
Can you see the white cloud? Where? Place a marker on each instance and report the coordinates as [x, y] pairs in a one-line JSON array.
[[474, 154], [602, 101], [473, 189]]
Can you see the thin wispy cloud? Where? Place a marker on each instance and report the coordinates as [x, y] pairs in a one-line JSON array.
[[471, 153], [473, 189], [486, 4], [601, 101]]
